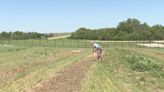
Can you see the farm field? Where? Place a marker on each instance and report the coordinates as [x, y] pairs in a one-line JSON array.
[[65, 65], [81, 46]]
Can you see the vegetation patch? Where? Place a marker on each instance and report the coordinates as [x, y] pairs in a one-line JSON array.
[[142, 63], [11, 49]]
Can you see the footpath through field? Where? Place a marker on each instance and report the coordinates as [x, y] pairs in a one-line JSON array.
[[68, 80]]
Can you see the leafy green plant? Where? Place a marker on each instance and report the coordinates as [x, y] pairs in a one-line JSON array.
[[141, 63]]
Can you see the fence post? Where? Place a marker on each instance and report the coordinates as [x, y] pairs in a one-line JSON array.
[[46, 47], [70, 43], [129, 44], [136, 44], [1, 41], [47, 43], [32, 42], [9, 41], [107, 44], [26, 42], [122, 45], [63, 42], [115, 43], [78, 43], [158, 42], [17, 42], [55, 42], [85, 43], [39, 42], [143, 43]]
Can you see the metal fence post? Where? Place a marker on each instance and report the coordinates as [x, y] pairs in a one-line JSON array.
[[70, 43], [32, 42], [1, 41], [55, 42], [115, 43], [9, 41], [78, 43], [46, 47], [47, 43], [17, 42], [122, 44], [63, 42]]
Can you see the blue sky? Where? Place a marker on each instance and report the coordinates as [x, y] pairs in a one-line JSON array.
[[68, 15]]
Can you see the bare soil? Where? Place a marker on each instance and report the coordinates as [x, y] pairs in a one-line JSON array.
[[11, 72], [159, 45], [68, 80]]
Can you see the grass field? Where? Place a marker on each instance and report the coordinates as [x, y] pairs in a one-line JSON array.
[[51, 66]]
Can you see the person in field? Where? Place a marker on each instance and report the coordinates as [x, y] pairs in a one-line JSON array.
[[97, 48]]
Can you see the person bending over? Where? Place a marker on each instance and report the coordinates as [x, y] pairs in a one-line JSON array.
[[97, 48]]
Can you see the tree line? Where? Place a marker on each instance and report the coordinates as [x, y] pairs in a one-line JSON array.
[[131, 29], [18, 35]]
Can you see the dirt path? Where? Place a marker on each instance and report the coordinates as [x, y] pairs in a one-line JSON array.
[[68, 80]]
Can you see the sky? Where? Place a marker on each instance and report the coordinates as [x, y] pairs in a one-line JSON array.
[[53, 16]]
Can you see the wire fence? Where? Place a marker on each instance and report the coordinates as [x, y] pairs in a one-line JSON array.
[[77, 44], [70, 43]]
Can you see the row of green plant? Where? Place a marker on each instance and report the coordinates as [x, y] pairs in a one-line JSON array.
[[142, 63]]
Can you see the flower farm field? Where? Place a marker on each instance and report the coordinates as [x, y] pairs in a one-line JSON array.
[[64, 65]]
